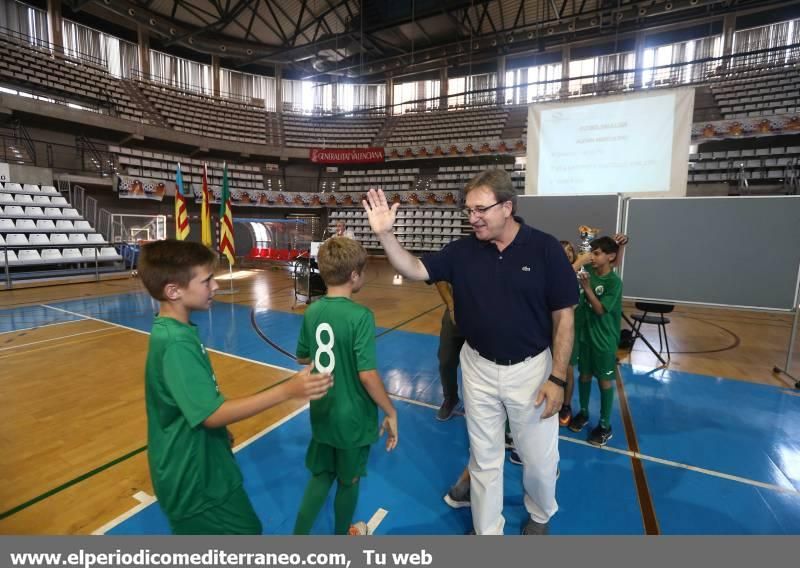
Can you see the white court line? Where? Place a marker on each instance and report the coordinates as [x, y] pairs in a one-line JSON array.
[[145, 500], [148, 333], [41, 326], [54, 339], [376, 520], [150, 499]]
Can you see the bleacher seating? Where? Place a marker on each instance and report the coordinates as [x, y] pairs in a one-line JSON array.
[[447, 127], [210, 116], [756, 164], [759, 93], [301, 131], [60, 76], [33, 237], [454, 178], [388, 179], [157, 165]]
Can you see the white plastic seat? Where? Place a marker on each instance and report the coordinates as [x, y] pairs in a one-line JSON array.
[[29, 256], [89, 253], [53, 212], [13, 187], [77, 239], [45, 225], [49, 190], [59, 239], [71, 253], [109, 252], [26, 225], [51, 255], [12, 258], [16, 240], [6, 198], [6, 225], [44, 199], [2, 240], [38, 239], [34, 211], [59, 201], [31, 187], [14, 211], [70, 213], [64, 225], [82, 225], [23, 198], [95, 238]]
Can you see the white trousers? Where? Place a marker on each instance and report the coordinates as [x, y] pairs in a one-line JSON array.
[[492, 392]]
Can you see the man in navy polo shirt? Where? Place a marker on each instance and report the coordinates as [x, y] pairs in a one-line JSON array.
[[514, 290]]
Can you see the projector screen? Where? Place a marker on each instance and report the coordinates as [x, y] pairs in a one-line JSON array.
[[629, 144]]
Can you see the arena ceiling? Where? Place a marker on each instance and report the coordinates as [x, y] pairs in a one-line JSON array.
[[366, 39]]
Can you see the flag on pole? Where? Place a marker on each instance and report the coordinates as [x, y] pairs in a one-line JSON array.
[[205, 211], [181, 213], [226, 245]]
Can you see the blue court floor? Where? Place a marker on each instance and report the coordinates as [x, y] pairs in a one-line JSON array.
[[720, 456]]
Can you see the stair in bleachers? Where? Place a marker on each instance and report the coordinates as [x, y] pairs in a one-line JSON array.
[[706, 108], [516, 122], [150, 113]]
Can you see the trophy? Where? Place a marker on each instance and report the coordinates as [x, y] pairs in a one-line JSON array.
[[587, 235]]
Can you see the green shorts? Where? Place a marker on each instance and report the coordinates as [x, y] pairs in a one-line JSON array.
[[346, 465], [602, 365], [235, 516]]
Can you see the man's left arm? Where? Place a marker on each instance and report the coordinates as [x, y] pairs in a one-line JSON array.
[[563, 335]]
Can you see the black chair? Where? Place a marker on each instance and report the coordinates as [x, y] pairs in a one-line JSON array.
[[657, 318]]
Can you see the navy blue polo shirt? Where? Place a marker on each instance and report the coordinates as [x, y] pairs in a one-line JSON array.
[[504, 300]]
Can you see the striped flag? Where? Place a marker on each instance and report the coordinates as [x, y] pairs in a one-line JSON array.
[[205, 211], [181, 213], [226, 245]]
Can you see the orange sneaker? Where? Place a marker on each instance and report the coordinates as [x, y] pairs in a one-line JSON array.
[[358, 529]]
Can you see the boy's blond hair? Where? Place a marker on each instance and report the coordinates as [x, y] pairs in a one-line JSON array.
[[171, 262], [338, 258]]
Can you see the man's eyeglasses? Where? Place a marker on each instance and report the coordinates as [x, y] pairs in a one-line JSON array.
[[480, 211]]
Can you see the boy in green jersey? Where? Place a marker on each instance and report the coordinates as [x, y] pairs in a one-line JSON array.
[[597, 329], [338, 335], [194, 473]]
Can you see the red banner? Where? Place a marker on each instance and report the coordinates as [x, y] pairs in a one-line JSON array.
[[347, 155]]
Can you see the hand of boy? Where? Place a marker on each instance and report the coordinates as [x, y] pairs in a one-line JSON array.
[[306, 385], [621, 239], [390, 427], [583, 279]]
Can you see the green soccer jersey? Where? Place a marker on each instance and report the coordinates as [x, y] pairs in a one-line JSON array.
[[192, 467], [338, 335], [601, 332]]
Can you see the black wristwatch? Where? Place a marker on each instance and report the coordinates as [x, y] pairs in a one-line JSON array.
[[560, 382]]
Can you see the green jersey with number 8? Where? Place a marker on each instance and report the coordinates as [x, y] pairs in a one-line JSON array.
[[338, 335]]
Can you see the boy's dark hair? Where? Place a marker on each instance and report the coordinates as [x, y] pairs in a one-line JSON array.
[[171, 262], [338, 258], [605, 244]]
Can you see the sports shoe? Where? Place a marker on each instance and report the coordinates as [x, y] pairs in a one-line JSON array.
[[358, 529], [565, 415], [532, 528], [446, 410], [458, 496], [578, 422], [514, 458], [600, 436]]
